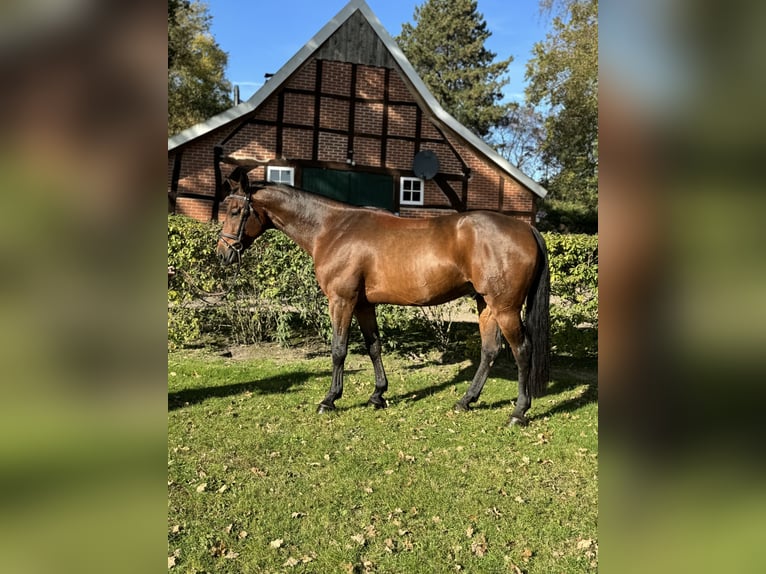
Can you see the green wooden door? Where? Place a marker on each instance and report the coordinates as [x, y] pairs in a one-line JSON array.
[[353, 187]]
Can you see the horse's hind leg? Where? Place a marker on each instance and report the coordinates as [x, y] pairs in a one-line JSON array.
[[491, 342], [340, 314], [365, 315], [511, 326]]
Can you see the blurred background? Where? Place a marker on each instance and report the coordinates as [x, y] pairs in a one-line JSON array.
[[682, 313], [682, 284], [83, 411]]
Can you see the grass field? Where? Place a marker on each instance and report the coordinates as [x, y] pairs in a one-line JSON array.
[[258, 482]]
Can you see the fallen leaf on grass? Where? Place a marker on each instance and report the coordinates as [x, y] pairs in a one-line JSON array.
[[231, 554], [202, 487], [359, 539], [171, 561], [526, 554], [297, 515], [217, 549], [584, 544], [258, 472], [479, 546], [276, 543], [406, 457], [291, 562]]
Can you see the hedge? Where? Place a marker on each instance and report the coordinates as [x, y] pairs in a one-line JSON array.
[[273, 294], [573, 260]]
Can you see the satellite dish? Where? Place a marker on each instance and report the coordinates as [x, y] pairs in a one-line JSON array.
[[426, 164]]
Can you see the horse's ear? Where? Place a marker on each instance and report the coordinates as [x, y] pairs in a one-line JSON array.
[[238, 179]]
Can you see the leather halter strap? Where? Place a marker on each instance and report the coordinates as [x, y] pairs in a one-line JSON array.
[[235, 241]]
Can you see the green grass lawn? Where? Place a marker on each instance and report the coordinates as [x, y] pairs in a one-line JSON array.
[[258, 482]]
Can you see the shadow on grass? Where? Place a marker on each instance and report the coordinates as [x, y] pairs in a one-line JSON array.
[[277, 384], [567, 373]]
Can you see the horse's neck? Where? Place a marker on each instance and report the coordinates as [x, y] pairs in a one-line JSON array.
[[295, 214]]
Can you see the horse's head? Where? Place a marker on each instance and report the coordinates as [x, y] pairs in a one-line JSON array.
[[243, 224]]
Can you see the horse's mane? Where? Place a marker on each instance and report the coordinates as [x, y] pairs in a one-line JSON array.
[[315, 197]]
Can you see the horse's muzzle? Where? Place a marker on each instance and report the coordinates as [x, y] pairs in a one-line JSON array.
[[227, 254]]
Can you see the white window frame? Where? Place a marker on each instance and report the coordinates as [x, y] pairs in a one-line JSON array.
[[279, 169], [403, 182]]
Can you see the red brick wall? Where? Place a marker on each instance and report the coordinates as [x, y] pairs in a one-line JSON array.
[[488, 188], [299, 109], [332, 147], [367, 151], [304, 78], [398, 91], [399, 154], [369, 117], [298, 144], [201, 210], [370, 82], [253, 141], [401, 120], [336, 78]]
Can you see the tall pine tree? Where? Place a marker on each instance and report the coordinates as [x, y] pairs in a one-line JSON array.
[[446, 48]]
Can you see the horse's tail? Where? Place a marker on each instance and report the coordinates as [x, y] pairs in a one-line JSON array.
[[538, 321]]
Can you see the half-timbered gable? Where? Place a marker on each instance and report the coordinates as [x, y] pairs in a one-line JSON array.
[[349, 118]]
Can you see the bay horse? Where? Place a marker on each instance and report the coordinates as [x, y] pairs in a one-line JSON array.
[[366, 256]]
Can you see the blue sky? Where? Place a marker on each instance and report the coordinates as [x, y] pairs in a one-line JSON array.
[[260, 37]]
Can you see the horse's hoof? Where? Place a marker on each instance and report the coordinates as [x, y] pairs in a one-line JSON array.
[[378, 405], [518, 421], [323, 408], [461, 408]]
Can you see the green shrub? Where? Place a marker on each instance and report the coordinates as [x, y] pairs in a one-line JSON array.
[[192, 271], [273, 294], [574, 293]]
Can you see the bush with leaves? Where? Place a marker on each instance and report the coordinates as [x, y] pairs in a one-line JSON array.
[[574, 293], [270, 295], [273, 295]]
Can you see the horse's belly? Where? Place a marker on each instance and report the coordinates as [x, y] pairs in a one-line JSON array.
[[416, 289]]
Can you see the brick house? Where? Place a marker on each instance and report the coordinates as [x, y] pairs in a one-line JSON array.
[[348, 117]]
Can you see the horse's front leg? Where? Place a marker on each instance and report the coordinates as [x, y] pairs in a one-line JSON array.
[[341, 311], [368, 323]]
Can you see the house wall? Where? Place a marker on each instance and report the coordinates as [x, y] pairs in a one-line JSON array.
[[329, 113]]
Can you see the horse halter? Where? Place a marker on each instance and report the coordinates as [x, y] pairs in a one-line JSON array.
[[235, 241]]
